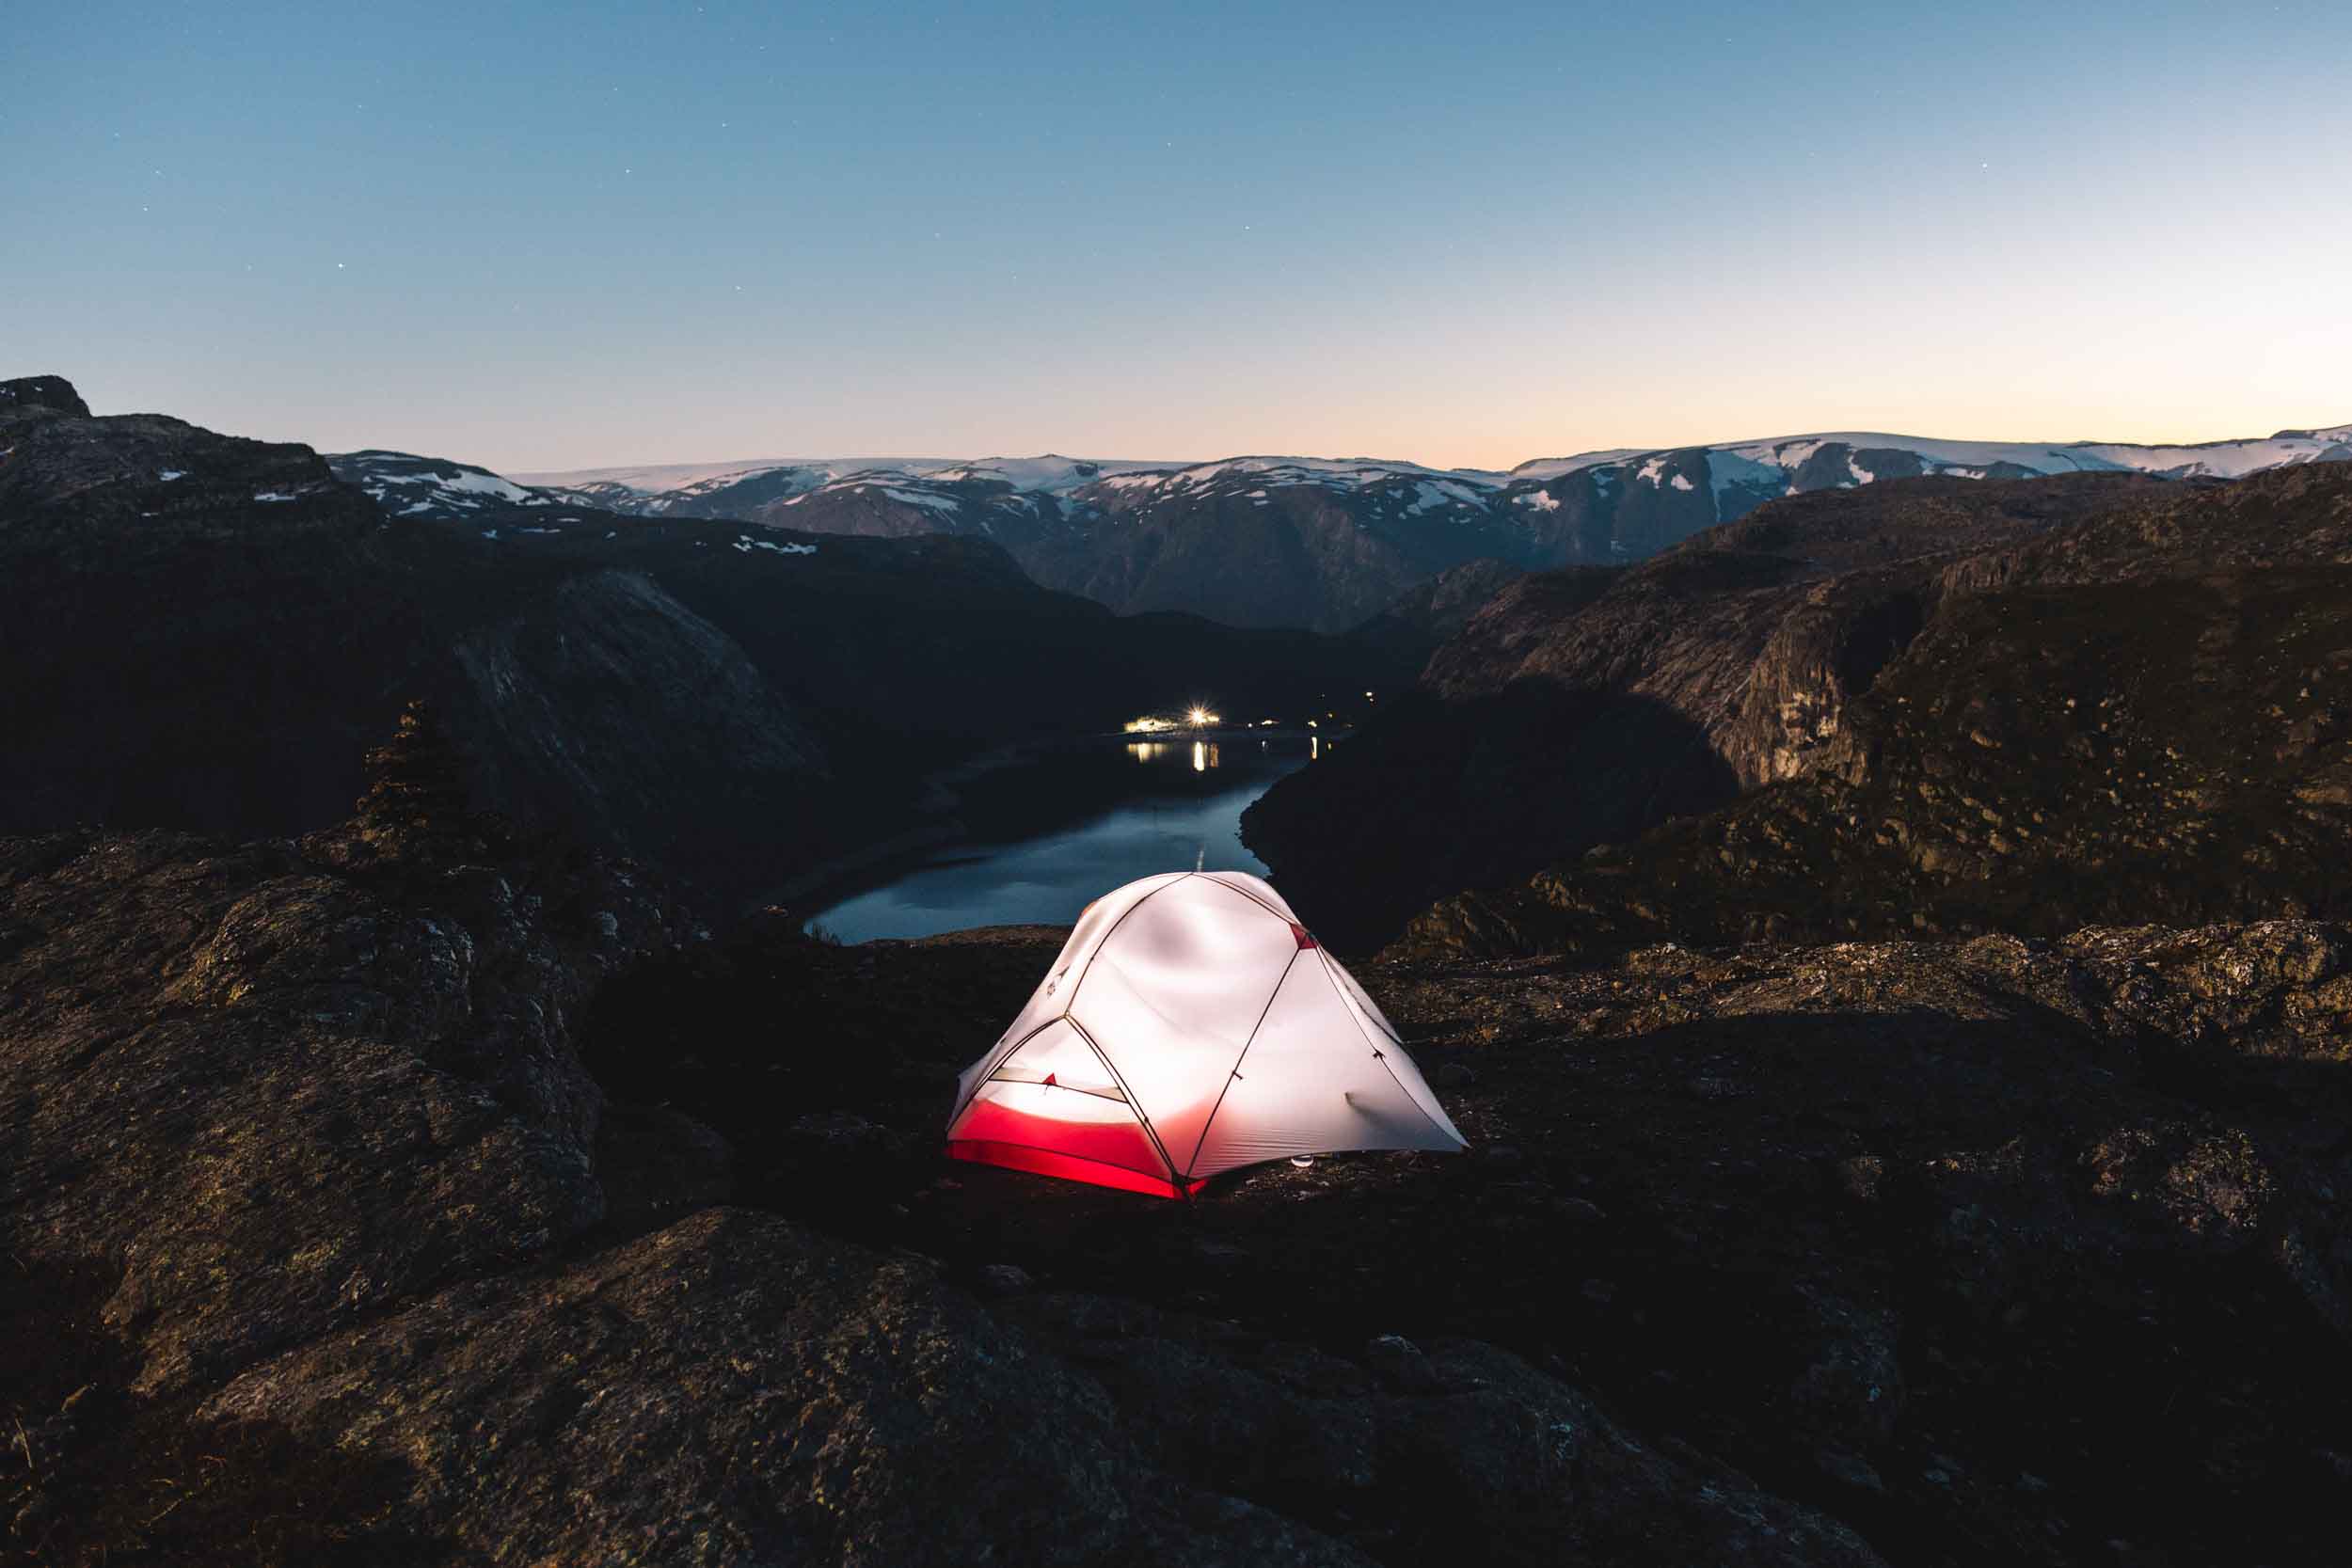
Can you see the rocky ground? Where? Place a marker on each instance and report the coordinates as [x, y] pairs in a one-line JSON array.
[[1992, 1252], [324, 1244], [396, 1193]]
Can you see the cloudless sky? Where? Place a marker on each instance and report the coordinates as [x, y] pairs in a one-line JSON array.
[[543, 234]]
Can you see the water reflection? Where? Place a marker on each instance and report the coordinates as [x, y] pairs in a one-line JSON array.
[[1204, 752], [1048, 839]]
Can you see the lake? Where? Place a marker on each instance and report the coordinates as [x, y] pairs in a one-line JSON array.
[[1048, 836]]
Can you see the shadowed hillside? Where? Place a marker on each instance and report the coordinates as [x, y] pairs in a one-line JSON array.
[[2146, 716], [205, 633], [1585, 706]]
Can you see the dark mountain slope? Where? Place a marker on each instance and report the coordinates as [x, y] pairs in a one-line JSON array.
[[2144, 717], [197, 628], [1587, 705], [204, 632], [1266, 548], [1328, 542]]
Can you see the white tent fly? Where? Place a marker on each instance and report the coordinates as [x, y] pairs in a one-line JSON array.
[[1191, 1025]]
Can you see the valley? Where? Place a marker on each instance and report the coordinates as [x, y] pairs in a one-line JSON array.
[[1886, 952]]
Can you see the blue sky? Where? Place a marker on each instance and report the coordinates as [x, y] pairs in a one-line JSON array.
[[556, 235]]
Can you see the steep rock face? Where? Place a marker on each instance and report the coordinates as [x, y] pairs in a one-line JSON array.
[[554, 699], [1587, 706], [2098, 726]]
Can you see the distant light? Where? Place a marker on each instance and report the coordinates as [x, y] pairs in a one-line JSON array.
[[1200, 716], [1367, 693]]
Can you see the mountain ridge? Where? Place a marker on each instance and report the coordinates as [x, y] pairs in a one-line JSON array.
[[1328, 543], [206, 633], [1743, 717]]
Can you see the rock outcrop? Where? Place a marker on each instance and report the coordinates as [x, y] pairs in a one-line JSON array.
[[1991, 1250], [325, 1246], [2146, 716], [1585, 706], [1866, 652]]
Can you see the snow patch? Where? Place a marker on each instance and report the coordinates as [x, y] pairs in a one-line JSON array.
[[920, 497]]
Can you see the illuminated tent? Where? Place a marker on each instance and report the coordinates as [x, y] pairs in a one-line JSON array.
[[1191, 1025]]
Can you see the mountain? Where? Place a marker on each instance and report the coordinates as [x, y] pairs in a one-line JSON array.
[[407, 486], [1796, 653], [2146, 717], [1588, 703], [206, 632], [1634, 503], [1328, 543]]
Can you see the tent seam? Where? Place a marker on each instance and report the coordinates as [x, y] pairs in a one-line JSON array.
[[1104, 940], [1381, 1056], [1234, 1071], [1219, 878], [1133, 1104]]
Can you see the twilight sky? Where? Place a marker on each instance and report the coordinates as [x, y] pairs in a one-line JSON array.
[[561, 234]]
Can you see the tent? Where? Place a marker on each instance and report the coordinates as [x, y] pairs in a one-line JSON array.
[[1191, 1025]]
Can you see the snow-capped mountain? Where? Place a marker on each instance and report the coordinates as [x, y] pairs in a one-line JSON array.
[[1787, 464], [407, 486], [1327, 542], [1620, 505]]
